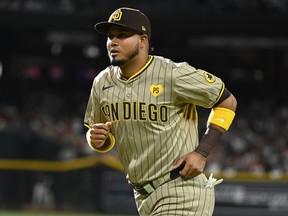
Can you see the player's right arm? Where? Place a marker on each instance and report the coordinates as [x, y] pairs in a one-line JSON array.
[[99, 137]]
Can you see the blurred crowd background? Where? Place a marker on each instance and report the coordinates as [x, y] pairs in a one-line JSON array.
[[50, 54]]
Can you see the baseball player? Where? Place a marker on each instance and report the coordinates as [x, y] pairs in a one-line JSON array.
[[146, 106]]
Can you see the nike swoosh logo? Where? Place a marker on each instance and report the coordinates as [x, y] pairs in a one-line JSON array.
[[107, 87], [219, 119]]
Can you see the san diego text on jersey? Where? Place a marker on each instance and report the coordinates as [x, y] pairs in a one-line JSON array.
[[139, 111]]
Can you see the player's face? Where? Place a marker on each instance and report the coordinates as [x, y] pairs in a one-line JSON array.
[[122, 45]]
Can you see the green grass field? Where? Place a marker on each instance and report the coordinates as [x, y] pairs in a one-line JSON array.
[[16, 213]]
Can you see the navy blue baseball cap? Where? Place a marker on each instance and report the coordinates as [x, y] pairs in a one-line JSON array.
[[126, 17]]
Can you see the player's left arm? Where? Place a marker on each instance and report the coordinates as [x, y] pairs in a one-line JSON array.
[[219, 121], [223, 112]]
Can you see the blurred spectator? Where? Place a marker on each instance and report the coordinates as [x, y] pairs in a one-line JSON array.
[[42, 196]]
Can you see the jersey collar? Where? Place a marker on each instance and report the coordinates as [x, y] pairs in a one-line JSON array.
[[137, 73]]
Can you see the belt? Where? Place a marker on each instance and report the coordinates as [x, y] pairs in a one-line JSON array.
[[151, 186]]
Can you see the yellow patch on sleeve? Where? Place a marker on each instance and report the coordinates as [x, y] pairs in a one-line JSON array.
[[210, 78]]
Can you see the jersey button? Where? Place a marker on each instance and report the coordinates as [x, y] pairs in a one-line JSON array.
[[128, 95], [130, 134]]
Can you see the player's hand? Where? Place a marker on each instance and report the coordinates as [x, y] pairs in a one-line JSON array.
[[99, 133], [194, 165]]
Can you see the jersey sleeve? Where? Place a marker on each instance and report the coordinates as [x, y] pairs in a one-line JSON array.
[[92, 114], [197, 86]]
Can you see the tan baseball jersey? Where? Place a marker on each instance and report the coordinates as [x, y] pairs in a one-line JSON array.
[[153, 113]]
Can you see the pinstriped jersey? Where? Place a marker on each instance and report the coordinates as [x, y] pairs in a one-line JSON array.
[[153, 113]]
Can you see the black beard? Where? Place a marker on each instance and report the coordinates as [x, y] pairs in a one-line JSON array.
[[120, 62], [130, 56]]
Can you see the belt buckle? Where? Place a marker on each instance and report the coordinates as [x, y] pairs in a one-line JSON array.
[[148, 188]]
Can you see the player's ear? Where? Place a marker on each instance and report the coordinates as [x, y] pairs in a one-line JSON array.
[[144, 40]]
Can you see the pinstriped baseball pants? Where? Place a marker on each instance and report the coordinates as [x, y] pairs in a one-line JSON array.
[[178, 197]]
